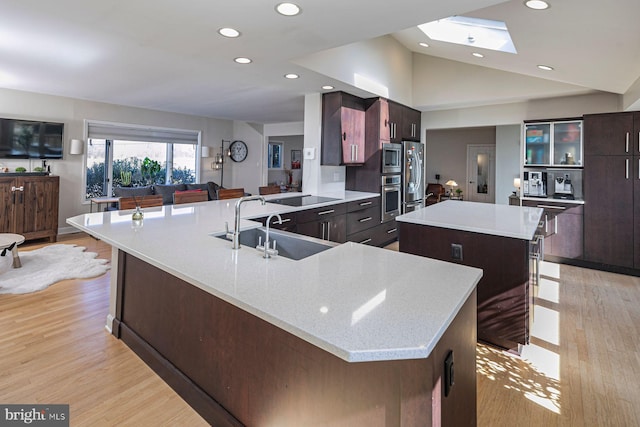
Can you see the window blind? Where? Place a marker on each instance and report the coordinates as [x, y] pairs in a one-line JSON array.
[[141, 133]]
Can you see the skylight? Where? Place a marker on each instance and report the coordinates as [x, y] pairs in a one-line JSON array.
[[474, 32]]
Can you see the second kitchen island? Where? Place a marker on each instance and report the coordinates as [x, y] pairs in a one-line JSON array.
[[502, 240]]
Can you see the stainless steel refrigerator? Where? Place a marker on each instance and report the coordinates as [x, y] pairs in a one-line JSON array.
[[412, 176]]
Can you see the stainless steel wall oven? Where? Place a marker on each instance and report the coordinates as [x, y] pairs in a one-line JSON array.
[[391, 196]]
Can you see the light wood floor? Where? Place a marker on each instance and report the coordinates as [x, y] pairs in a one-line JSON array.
[[581, 369]]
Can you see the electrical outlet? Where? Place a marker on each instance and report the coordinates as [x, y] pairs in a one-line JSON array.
[[456, 251]]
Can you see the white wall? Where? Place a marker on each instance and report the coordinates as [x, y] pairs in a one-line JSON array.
[[74, 112], [317, 179], [381, 66], [446, 152], [247, 174], [516, 113], [507, 161]]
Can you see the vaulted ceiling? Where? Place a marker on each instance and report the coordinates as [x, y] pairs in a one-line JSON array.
[[167, 55]]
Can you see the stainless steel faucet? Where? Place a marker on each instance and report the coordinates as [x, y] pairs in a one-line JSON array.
[[235, 236], [267, 250]]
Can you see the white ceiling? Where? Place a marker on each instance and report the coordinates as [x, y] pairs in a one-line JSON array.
[[167, 55]]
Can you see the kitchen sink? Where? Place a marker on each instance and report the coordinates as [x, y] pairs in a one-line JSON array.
[[289, 245]]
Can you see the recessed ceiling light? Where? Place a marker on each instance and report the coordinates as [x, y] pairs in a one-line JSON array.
[[537, 4], [477, 55], [291, 76], [288, 9], [327, 87], [423, 44], [545, 67], [242, 60], [229, 32]]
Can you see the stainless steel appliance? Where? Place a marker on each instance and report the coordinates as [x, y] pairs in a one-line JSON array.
[[391, 199], [391, 158], [535, 184], [563, 187], [412, 176]]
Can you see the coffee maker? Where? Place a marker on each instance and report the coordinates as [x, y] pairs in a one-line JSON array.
[[563, 187], [535, 184]]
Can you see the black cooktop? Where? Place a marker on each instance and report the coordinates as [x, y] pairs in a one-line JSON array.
[[302, 200]]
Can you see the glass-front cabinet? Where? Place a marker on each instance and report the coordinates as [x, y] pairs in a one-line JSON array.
[[556, 143]]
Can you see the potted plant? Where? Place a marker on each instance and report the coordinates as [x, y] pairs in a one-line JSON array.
[[149, 169], [459, 193], [125, 177]]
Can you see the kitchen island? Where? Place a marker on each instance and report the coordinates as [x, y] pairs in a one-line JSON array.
[[502, 240], [354, 335]]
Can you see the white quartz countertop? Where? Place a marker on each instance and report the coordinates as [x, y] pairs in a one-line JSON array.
[[486, 218], [357, 302]]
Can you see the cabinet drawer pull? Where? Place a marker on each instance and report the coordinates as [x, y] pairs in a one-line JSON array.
[[638, 168], [327, 212], [627, 144], [393, 230], [365, 203], [556, 224], [627, 169], [546, 224], [365, 219], [344, 136], [365, 241], [552, 207]]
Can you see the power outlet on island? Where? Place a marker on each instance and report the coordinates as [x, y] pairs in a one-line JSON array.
[[456, 251]]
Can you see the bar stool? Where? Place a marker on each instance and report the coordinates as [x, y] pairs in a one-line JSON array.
[[8, 239]]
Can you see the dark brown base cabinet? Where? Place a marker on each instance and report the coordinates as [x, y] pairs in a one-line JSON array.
[[612, 190], [235, 369], [357, 221], [327, 223], [563, 229], [504, 294], [29, 206]]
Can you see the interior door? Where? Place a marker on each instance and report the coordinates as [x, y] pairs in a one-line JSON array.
[[481, 173]]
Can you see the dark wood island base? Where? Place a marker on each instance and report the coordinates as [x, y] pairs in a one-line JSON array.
[[236, 369], [504, 294]]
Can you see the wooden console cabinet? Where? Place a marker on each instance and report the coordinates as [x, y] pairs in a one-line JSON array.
[[29, 206]]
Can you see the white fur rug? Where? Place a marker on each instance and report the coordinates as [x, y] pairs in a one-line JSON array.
[[48, 265]]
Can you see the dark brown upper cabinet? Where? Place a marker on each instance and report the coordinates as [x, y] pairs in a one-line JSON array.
[[405, 123], [343, 129]]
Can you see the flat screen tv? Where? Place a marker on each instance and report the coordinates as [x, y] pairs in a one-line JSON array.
[[27, 139]]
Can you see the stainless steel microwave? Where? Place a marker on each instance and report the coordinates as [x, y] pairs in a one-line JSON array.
[[391, 158]]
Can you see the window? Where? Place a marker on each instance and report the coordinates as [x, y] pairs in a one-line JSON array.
[[137, 157]]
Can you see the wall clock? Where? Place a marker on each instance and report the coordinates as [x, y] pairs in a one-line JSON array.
[[238, 151]]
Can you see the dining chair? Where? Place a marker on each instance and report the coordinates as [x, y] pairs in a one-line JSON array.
[[142, 201], [270, 189], [189, 196], [230, 193]]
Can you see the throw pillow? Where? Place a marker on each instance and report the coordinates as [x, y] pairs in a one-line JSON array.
[[167, 190], [201, 187]]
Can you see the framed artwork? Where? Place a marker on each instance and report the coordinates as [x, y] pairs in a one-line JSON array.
[[296, 159], [276, 151]]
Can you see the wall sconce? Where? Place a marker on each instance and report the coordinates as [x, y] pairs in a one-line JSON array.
[[76, 146], [205, 151], [218, 162]]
